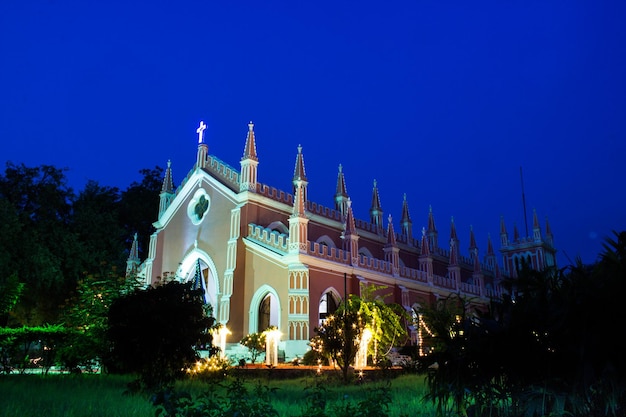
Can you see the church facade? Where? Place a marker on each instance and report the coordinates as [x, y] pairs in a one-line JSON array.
[[267, 257]]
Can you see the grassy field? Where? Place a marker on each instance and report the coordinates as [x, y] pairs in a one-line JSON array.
[[103, 395]]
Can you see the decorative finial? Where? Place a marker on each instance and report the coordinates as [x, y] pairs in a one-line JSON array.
[[423, 231], [299, 148], [340, 167], [169, 163], [349, 202], [389, 218], [374, 183], [200, 132], [250, 126]]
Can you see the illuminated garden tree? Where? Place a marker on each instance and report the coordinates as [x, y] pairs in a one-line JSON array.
[[338, 338]]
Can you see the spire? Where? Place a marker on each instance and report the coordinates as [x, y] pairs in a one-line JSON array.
[[504, 236], [391, 235], [350, 236], [299, 185], [203, 148], [490, 250], [425, 260], [341, 194], [350, 227], [425, 246], [454, 253], [453, 234], [299, 173], [167, 190], [473, 247], [490, 257], [298, 222], [133, 261], [432, 229], [168, 183], [376, 212], [249, 163], [515, 233], [392, 252], [405, 221], [536, 227], [249, 151]]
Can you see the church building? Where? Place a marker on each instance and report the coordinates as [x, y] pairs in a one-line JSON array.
[[268, 257]]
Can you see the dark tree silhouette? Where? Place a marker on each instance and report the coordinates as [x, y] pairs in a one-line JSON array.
[[154, 332]]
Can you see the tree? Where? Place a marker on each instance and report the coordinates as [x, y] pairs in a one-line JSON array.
[[139, 207], [38, 204], [339, 336], [255, 342], [154, 332]]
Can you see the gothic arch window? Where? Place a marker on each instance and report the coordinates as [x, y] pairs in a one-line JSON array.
[[327, 241], [279, 227], [328, 304], [264, 310]]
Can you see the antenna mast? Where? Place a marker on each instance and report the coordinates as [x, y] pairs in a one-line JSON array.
[[523, 199]]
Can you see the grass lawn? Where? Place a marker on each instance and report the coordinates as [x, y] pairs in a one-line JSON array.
[[103, 395]]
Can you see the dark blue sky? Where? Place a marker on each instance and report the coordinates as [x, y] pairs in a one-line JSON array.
[[443, 101]]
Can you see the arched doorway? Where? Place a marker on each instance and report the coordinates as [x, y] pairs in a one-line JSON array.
[[328, 304], [264, 310]]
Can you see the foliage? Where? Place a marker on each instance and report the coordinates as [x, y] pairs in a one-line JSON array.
[[375, 404], [255, 342], [28, 347], [339, 336], [154, 332], [238, 401], [87, 313], [545, 349], [211, 369]]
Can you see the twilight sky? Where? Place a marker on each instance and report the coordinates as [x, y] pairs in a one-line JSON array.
[[441, 100]]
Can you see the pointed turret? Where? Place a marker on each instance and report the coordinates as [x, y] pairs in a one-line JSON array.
[[249, 162], [453, 235], [167, 190], [298, 222], [376, 212], [515, 233], [299, 173], [425, 246], [405, 221], [341, 194], [350, 236], [203, 148], [425, 258], [432, 230], [454, 269], [504, 236], [473, 247], [391, 249], [490, 257], [133, 261], [536, 227]]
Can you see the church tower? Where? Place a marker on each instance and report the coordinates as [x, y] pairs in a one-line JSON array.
[[298, 221], [536, 251]]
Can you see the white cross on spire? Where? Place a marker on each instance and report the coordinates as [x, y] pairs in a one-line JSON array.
[[200, 132]]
